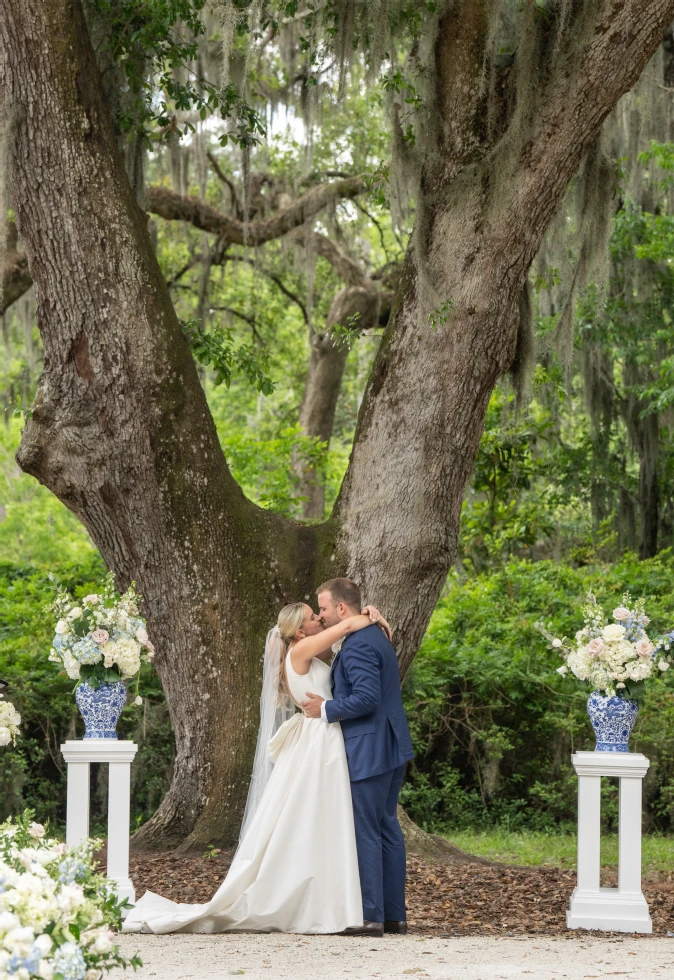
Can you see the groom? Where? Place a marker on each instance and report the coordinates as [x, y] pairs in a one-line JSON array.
[[368, 703]]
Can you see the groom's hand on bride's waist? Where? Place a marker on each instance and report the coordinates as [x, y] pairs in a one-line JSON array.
[[312, 706]]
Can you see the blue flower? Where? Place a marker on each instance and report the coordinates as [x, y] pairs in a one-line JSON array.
[[85, 651], [70, 869], [69, 962]]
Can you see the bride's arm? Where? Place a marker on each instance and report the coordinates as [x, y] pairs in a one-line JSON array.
[[321, 644]]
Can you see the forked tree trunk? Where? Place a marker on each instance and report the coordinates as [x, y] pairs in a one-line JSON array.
[[121, 431]]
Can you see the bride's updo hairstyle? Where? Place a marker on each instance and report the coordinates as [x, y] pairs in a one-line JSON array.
[[290, 619]]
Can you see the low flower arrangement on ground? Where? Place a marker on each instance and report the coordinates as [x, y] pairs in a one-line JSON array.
[[56, 912], [102, 638], [615, 657], [10, 719]]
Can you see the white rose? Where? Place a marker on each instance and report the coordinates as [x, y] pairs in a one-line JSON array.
[[622, 613], [75, 612], [5, 735], [43, 943], [644, 647], [36, 830], [141, 635], [663, 665], [61, 626], [613, 633], [45, 970], [103, 943], [93, 598]]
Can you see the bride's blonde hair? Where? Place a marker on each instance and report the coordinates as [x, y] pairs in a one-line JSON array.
[[289, 620]]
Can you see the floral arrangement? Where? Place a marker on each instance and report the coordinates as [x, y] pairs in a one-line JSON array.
[[102, 638], [615, 657], [56, 912], [10, 719]]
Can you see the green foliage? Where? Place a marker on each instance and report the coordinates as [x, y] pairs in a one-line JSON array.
[[155, 43], [33, 774], [217, 349], [492, 722]]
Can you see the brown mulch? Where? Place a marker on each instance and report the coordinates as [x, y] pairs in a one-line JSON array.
[[451, 899]]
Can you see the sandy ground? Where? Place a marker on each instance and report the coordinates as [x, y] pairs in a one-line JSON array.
[[330, 957]]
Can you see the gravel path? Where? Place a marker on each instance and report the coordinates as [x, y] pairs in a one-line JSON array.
[[260, 957]]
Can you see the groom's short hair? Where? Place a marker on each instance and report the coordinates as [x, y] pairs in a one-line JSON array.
[[343, 590]]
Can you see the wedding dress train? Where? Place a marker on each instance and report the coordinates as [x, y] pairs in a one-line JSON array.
[[296, 869]]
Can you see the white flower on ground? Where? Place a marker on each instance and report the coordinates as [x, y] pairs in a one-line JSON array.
[[556, 643], [621, 613], [138, 700], [613, 633], [663, 665]]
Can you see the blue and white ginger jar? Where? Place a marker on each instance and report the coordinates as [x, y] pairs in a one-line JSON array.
[[613, 720], [101, 708]]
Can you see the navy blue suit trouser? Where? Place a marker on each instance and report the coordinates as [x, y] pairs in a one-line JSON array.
[[380, 845]]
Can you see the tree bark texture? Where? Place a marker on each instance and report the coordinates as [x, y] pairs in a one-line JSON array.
[[121, 431]]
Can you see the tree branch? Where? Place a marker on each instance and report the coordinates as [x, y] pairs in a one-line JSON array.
[[174, 207]]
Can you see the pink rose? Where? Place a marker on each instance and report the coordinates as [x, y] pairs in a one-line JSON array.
[[100, 636], [595, 647], [644, 648], [92, 598], [621, 613]]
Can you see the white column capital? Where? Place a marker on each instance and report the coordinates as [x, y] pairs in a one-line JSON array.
[[99, 750], [632, 764]]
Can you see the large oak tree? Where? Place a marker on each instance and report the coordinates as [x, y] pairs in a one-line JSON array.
[[121, 431]]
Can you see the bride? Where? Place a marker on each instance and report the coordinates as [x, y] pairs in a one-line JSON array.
[[296, 868]]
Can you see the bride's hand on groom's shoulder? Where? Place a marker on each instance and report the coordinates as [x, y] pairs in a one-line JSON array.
[[377, 618]]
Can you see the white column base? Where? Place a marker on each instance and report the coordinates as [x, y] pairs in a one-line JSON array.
[[123, 888], [610, 910]]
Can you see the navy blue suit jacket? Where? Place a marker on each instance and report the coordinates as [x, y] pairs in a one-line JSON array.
[[368, 703]]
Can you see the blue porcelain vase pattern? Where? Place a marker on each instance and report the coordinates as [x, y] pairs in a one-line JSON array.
[[101, 708], [613, 720]]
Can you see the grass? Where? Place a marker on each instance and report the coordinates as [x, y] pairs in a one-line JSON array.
[[558, 850]]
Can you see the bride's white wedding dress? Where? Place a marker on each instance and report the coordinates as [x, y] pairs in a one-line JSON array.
[[296, 869]]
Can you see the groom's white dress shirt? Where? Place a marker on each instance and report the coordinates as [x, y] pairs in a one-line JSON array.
[[336, 647]]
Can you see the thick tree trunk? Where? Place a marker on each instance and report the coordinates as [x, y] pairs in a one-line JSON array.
[[121, 431], [481, 214], [357, 305]]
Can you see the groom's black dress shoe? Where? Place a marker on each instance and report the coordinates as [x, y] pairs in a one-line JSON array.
[[399, 928], [367, 929]]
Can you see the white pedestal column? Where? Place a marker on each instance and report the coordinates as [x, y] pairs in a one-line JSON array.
[[621, 909], [79, 756]]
